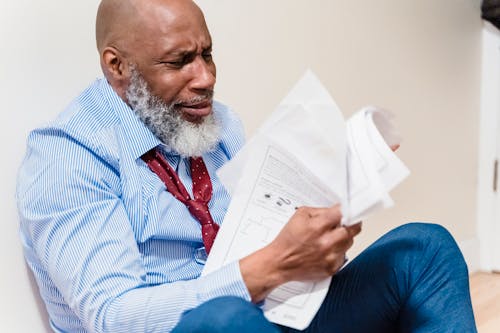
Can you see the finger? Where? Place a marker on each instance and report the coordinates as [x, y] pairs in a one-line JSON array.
[[341, 239], [334, 261], [354, 229], [394, 147], [332, 216], [332, 213]]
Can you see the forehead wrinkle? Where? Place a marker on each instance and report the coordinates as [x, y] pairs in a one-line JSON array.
[[183, 50], [170, 46], [166, 23]]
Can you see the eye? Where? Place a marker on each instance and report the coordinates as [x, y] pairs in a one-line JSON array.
[[207, 55], [178, 62], [174, 64]]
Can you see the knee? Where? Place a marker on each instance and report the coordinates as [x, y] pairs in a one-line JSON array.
[[225, 314], [435, 240], [428, 233]]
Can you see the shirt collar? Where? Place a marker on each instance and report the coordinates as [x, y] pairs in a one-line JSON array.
[[139, 137]]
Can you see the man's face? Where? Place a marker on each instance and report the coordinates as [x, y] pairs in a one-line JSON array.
[[174, 56], [166, 122]]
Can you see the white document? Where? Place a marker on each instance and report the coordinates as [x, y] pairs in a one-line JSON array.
[[280, 184], [373, 168], [304, 155]]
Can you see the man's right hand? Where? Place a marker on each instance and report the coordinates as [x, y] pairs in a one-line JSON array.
[[311, 246]]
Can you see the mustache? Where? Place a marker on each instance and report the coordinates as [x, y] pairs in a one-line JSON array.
[[206, 96]]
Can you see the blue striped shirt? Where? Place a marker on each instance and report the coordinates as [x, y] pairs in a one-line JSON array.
[[110, 248]]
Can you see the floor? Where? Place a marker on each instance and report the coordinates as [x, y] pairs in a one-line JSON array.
[[485, 293]]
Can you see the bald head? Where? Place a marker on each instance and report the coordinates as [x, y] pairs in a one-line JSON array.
[[112, 18], [119, 21]]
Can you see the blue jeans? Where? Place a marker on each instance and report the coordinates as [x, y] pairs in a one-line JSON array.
[[413, 279]]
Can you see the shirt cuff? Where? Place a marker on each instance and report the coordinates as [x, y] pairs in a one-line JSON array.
[[226, 281]]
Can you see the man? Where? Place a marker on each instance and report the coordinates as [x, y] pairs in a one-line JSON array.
[[109, 203]]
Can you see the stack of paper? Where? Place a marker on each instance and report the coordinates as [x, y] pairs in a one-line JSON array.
[[304, 155]]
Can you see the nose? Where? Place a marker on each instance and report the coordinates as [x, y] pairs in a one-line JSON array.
[[204, 73]]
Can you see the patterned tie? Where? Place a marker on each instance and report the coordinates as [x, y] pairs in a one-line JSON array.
[[202, 191]]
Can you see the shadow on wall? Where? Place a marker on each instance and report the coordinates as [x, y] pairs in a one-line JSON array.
[[40, 305]]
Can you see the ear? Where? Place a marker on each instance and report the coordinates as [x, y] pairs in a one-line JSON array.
[[115, 68], [113, 62]]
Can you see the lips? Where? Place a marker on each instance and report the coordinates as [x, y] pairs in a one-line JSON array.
[[194, 111]]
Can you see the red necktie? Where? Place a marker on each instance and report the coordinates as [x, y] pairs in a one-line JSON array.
[[202, 191]]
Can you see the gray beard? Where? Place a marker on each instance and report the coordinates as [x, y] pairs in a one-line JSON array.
[[165, 121]]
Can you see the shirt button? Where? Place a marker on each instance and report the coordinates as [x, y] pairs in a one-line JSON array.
[[200, 255]]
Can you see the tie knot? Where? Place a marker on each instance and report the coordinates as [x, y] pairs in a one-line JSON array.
[[200, 211]]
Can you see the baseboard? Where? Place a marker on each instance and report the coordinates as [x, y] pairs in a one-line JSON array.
[[470, 250]]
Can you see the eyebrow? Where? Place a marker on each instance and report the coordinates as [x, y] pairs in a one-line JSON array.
[[182, 52]]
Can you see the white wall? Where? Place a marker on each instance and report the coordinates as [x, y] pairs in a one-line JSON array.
[[47, 56], [421, 59]]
